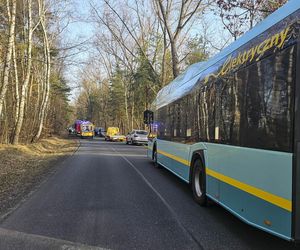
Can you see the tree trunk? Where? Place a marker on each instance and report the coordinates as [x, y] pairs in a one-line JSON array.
[[16, 75], [47, 79], [27, 78], [163, 63], [132, 112], [175, 61], [126, 106], [7, 63]]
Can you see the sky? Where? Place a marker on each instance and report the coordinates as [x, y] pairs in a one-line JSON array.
[[81, 29], [79, 32]]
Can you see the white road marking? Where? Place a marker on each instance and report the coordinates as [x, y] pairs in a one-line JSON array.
[[168, 206]]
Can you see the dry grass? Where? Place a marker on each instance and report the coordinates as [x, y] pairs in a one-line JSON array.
[[22, 167]]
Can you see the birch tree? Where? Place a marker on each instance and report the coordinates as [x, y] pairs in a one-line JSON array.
[[167, 12], [24, 88], [47, 69], [11, 13], [29, 42]]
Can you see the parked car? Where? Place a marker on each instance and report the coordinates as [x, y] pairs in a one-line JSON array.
[[102, 132], [113, 134], [117, 137], [111, 131], [97, 131], [71, 131], [137, 137]]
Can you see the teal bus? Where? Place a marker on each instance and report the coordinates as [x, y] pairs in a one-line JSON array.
[[230, 126]]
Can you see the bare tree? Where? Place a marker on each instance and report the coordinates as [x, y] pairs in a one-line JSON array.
[[16, 79], [27, 76], [11, 12], [239, 16], [47, 69], [167, 12]]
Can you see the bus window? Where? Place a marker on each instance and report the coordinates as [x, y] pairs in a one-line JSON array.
[[269, 100]]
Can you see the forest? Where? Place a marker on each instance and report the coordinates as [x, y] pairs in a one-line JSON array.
[[136, 48]]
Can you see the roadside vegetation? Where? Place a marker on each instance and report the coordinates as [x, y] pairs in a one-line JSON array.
[[23, 167], [33, 90]]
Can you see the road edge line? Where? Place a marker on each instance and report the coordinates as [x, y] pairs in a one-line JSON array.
[[167, 205]]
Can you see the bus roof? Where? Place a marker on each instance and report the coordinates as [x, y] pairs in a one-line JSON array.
[[185, 82]]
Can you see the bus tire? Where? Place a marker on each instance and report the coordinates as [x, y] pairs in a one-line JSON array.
[[199, 183]]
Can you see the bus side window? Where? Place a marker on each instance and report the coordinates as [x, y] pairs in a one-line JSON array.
[[269, 98]]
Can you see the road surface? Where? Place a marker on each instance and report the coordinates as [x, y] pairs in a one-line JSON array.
[[109, 195]]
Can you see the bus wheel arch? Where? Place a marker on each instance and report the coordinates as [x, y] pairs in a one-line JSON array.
[[198, 178]]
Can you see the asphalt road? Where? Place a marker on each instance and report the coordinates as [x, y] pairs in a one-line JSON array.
[[109, 195]]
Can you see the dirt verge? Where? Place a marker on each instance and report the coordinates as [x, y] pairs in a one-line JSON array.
[[23, 167]]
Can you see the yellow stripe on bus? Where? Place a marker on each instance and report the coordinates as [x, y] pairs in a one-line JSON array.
[[274, 199], [176, 158], [271, 198]]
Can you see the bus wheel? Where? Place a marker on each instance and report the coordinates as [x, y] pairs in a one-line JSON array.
[[199, 183]]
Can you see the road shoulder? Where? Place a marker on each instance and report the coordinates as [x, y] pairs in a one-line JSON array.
[[24, 167], [19, 241]]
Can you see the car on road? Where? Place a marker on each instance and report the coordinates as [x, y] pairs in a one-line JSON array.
[[113, 134], [97, 131], [111, 131], [102, 132], [71, 131], [117, 137], [137, 137]]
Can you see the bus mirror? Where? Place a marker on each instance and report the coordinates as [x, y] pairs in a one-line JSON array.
[[148, 117]]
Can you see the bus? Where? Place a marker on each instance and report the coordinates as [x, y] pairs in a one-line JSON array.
[[230, 126]]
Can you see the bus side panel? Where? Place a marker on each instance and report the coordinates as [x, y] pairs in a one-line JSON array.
[[253, 184], [256, 211], [256, 185], [175, 157]]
